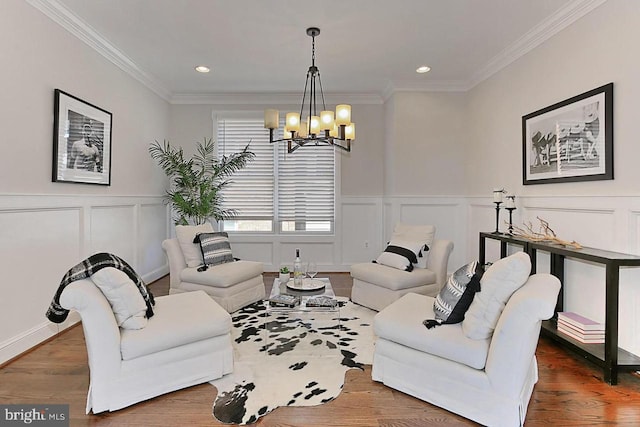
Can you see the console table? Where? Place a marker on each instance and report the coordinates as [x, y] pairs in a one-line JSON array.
[[608, 356]]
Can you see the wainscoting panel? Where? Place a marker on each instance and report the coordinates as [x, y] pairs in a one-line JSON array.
[[254, 251], [447, 214], [45, 235], [589, 227], [319, 252]]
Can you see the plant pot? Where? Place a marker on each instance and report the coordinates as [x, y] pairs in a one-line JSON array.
[[284, 277]]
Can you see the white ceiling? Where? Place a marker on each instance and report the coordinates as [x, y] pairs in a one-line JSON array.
[[365, 46]]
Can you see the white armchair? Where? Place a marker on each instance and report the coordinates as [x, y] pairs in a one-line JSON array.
[[489, 380], [233, 285], [376, 286], [186, 342]]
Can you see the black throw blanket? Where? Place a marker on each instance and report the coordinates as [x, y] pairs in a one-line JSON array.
[[57, 314]]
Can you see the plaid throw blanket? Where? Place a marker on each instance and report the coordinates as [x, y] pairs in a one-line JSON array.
[[57, 314]]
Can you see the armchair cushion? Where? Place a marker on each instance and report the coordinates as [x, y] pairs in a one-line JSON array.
[[418, 233], [181, 319], [190, 250], [401, 322], [497, 285], [223, 275], [215, 247], [392, 278], [124, 297]]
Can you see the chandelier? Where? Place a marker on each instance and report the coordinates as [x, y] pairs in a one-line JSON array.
[[326, 128]]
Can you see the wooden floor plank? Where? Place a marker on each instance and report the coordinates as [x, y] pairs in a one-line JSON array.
[[570, 391]]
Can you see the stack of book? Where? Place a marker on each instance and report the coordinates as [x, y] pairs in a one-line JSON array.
[[284, 300], [322, 301], [580, 328]]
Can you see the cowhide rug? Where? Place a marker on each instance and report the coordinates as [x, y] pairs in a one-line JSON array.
[[299, 360]]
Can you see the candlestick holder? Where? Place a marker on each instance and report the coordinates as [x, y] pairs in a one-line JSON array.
[[497, 216], [510, 220]]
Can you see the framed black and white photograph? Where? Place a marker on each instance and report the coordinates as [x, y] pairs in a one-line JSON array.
[[81, 141], [571, 140]]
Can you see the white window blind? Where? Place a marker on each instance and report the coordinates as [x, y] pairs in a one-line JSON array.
[[251, 192], [306, 184], [296, 191]]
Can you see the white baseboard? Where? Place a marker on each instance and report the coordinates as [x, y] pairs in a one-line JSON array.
[[156, 274], [34, 336]]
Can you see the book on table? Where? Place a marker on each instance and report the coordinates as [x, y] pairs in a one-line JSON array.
[[579, 322], [570, 328], [284, 300], [322, 301], [583, 338]]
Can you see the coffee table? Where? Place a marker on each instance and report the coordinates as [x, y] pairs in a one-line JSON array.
[[307, 330]]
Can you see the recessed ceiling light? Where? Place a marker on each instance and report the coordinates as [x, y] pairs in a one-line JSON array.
[[202, 69], [423, 69]]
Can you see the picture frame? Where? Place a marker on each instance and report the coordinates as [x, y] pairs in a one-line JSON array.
[[571, 140], [81, 141]]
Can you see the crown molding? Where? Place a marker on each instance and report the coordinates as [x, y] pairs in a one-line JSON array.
[[434, 86], [72, 23], [262, 98], [551, 26]]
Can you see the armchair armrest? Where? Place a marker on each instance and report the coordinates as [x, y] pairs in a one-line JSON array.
[[438, 260], [101, 332], [176, 261]]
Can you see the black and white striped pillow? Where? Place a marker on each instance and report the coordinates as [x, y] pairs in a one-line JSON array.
[[215, 247], [400, 254]]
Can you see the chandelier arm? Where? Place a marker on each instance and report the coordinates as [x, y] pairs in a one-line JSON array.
[[324, 107], [312, 101], [304, 95], [347, 148]]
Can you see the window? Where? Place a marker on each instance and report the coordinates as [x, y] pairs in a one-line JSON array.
[[277, 191]]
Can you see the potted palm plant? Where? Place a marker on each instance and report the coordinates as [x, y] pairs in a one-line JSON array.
[[196, 183]]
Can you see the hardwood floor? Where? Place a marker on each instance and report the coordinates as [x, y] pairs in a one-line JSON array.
[[570, 391]]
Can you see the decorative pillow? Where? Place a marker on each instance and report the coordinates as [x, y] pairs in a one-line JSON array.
[[416, 233], [498, 283], [215, 247], [190, 250], [124, 297], [400, 254], [456, 296]]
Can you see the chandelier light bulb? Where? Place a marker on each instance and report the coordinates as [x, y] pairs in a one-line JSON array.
[[315, 125], [327, 120], [271, 119], [350, 132], [343, 114], [292, 122]]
